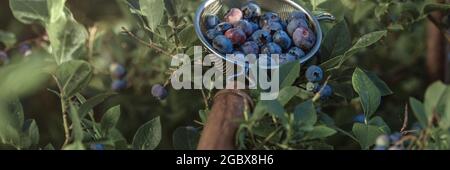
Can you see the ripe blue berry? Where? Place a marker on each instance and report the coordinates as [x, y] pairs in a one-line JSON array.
[[223, 44], [236, 35], [234, 15], [395, 137], [255, 26], [118, 85], [251, 10], [4, 59], [304, 38], [314, 73], [212, 33], [360, 118], [250, 47], [294, 24], [245, 26], [325, 92], [25, 49], [261, 37], [211, 21], [273, 27], [271, 48], [382, 140], [286, 58], [97, 147], [312, 87], [296, 15], [224, 26], [117, 71], [297, 52], [268, 18], [159, 92], [282, 38]]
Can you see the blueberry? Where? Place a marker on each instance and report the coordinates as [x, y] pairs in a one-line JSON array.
[[159, 92], [255, 26], [245, 26], [379, 148], [268, 18], [211, 21], [261, 37], [282, 38], [298, 52], [382, 140], [117, 71], [271, 48], [395, 137], [304, 38], [236, 35], [118, 85], [360, 118], [312, 87], [294, 24], [224, 26], [212, 33], [223, 44], [326, 92], [286, 58], [25, 49], [314, 73], [273, 27], [250, 47], [4, 59], [97, 147], [251, 10], [234, 15], [296, 15]]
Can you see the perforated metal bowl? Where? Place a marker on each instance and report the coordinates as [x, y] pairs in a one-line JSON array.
[[283, 7]]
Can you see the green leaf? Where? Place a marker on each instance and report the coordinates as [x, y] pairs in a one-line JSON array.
[[11, 122], [368, 92], [319, 132], [153, 10], [187, 35], [110, 119], [29, 11], [289, 73], [148, 135], [381, 85], [363, 42], [7, 38], [88, 105], [380, 123], [56, 9], [77, 129], [185, 138], [419, 111], [366, 134], [442, 109], [273, 107], [305, 114], [432, 97], [66, 37], [287, 93], [337, 41], [75, 146], [72, 76], [31, 130]]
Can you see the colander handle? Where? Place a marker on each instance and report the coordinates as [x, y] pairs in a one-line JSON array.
[[325, 16]]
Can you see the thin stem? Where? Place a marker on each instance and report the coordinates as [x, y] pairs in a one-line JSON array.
[[148, 44], [64, 113]]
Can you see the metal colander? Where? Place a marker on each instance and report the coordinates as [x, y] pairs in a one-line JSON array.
[[283, 7]]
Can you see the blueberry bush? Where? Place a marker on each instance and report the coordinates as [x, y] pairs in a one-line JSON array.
[[95, 75]]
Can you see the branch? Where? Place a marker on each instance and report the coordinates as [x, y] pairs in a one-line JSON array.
[[148, 44]]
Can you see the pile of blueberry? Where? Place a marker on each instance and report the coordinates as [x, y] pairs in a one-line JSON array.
[[118, 73], [314, 75], [248, 31]]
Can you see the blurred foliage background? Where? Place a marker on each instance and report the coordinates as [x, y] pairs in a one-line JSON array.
[[399, 60]]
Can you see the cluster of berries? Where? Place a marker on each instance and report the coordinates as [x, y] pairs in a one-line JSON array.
[[118, 73], [314, 74], [24, 49], [389, 142], [248, 31]]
